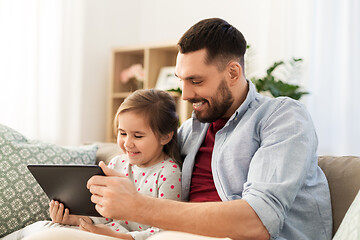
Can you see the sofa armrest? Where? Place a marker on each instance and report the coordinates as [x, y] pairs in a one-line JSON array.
[[107, 151], [343, 175]]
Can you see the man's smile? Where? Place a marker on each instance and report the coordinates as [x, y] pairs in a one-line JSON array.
[[198, 105]]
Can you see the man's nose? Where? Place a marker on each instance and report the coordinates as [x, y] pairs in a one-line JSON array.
[[187, 91]]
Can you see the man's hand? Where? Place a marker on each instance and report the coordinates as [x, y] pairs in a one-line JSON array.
[[59, 215], [116, 197], [114, 194]]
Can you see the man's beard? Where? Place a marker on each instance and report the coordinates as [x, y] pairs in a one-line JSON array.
[[220, 103]]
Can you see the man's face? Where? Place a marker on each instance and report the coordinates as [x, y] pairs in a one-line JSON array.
[[204, 86]]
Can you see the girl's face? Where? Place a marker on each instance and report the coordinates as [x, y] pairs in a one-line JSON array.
[[138, 141]]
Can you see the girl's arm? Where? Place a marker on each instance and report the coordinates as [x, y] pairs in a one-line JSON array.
[[103, 230], [169, 187], [169, 182]]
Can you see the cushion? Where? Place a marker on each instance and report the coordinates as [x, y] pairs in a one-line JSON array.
[[107, 151], [343, 177], [22, 201], [350, 226]]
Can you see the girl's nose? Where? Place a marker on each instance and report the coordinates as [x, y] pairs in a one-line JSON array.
[[129, 142]]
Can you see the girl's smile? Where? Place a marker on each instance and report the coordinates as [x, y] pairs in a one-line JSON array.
[[138, 141]]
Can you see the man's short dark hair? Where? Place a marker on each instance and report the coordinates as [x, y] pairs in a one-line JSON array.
[[222, 41]]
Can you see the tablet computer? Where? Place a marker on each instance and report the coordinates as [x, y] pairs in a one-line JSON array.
[[67, 184]]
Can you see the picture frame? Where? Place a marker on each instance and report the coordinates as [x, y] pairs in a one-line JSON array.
[[167, 79]]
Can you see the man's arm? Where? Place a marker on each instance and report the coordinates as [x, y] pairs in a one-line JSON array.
[[115, 197], [233, 219]]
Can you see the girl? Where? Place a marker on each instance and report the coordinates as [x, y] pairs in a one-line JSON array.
[[146, 126]]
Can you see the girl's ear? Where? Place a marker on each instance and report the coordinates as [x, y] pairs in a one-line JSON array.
[[165, 139]]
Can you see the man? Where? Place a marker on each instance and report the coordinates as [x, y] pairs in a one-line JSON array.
[[250, 166]]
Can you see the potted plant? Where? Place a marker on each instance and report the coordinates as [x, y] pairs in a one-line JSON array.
[[276, 87]]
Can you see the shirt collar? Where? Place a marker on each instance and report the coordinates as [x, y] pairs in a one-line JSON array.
[[246, 104]]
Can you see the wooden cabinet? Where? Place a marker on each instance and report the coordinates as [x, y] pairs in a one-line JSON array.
[[152, 58]]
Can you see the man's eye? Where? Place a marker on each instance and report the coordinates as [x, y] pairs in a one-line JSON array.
[[196, 82]]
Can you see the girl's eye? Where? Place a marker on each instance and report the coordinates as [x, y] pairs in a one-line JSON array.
[[122, 134], [137, 136]]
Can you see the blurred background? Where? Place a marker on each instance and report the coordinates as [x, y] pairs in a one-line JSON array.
[[55, 58]]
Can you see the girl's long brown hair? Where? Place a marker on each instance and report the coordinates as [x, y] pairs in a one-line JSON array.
[[159, 108]]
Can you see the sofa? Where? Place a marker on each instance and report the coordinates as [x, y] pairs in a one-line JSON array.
[[22, 201], [342, 173]]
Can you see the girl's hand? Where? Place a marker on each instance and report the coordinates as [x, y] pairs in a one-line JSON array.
[[59, 215], [103, 230]]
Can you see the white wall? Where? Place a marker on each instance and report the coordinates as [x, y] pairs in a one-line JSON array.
[[271, 34], [275, 29], [113, 23], [64, 48], [108, 24]]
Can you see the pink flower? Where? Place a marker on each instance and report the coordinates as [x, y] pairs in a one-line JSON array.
[[134, 71]]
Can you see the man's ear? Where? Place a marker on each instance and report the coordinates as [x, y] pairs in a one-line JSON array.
[[235, 72], [165, 139]]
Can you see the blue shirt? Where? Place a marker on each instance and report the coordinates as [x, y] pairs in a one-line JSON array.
[[266, 155]]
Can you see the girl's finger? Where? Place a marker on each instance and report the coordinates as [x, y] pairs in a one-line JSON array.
[[85, 226], [60, 212], [51, 204], [54, 210], [66, 214]]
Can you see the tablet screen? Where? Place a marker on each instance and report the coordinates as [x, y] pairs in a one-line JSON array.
[[67, 184]]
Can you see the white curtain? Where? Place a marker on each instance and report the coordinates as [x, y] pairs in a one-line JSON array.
[[326, 34], [41, 59], [334, 75], [40, 68]]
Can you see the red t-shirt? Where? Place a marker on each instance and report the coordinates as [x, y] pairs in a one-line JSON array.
[[202, 187]]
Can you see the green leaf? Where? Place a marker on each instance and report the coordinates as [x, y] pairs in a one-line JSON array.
[[277, 87], [177, 90]]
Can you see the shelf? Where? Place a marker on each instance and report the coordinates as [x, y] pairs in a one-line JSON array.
[[152, 58], [121, 94]]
